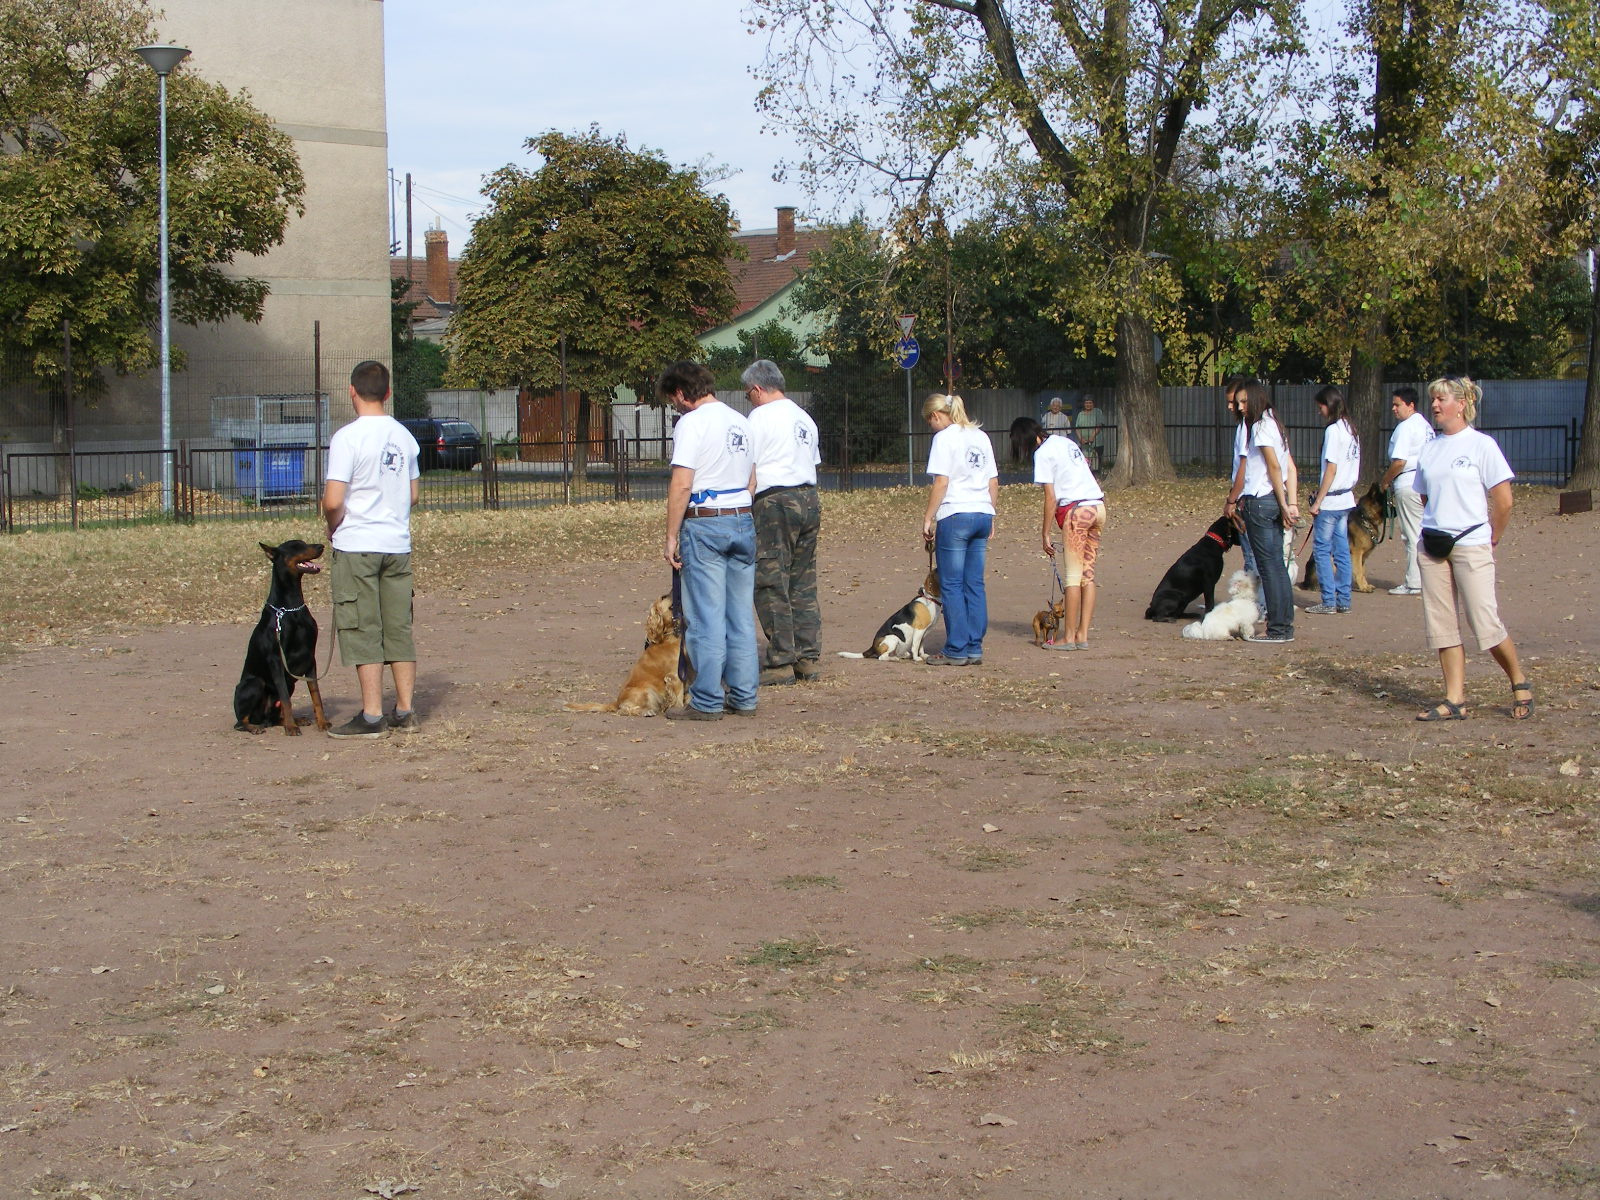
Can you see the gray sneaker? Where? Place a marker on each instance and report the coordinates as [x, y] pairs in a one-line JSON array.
[[1324, 610], [1403, 590], [1271, 639], [405, 724], [359, 727]]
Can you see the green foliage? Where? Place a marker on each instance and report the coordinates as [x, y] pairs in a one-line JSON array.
[[1078, 108], [79, 194], [418, 366], [850, 286], [616, 249], [771, 340]]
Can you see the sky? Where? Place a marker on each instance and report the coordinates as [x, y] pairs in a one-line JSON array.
[[469, 82]]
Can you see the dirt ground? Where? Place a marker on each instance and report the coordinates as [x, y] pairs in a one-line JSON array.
[[1162, 919]]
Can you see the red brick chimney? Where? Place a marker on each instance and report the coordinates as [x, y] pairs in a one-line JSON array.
[[437, 244], [785, 231]]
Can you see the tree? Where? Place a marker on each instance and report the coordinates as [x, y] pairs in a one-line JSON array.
[[1426, 172], [1087, 103], [418, 364], [79, 191], [850, 287], [772, 340], [614, 250]]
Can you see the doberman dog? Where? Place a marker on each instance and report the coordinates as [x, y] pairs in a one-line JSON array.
[[282, 647]]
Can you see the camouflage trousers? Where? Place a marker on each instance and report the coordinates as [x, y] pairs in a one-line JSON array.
[[786, 575]]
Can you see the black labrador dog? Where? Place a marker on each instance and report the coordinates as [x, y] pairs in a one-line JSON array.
[[1194, 574], [282, 647]]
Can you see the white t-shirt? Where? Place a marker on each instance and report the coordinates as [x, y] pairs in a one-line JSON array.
[[376, 458], [1406, 443], [1060, 461], [965, 457], [714, 442], [786, 444], [1340, 447], [1455, 473], [1264, 433]]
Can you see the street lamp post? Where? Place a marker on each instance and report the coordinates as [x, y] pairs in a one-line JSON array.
[[161, 60]]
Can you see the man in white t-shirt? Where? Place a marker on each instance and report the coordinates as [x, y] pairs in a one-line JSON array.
[[711, 543], [1411, 433], [367, 501], [788, 516]]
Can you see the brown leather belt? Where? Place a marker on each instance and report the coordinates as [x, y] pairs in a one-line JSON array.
[[692, 511]]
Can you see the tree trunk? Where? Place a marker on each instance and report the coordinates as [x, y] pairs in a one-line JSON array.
[[580, 441], [1142, 454], [1366, 395], [58, 440], [1586, 471]]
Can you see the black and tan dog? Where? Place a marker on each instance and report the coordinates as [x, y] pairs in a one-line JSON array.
[[1367, 528], [1194, 574], [282, 647], [901, 635], [1047, 621]]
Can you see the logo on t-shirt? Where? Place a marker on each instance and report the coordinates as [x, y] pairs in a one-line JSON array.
[[737, 442], [802, 433], [1461, 464], [974, 458], [393, 459]]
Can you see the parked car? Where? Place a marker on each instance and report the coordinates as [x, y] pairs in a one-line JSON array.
[[444, 442]]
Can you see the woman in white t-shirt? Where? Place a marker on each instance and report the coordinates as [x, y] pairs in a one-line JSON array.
[[1267, 506], [1075, 504], [1465, 484], [1332, 502], [958, 521]]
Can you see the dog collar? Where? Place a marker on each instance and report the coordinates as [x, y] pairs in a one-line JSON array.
[[1216, 539]]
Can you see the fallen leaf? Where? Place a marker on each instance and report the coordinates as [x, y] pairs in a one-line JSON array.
[[629, 1043], [102, 970], [987, 828], [995, 1119]]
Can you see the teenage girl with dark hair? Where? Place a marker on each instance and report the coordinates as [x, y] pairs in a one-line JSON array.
[[1267, 507], [1331, 505]]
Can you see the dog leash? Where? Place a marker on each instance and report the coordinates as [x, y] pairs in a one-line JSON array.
[[682, 624], [278, 614]]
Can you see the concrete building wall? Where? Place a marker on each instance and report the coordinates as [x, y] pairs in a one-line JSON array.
[[316, 67]]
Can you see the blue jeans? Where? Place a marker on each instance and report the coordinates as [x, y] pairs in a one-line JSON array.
[[719, 589], [1263, 524], [1330, 547], [961, 547]]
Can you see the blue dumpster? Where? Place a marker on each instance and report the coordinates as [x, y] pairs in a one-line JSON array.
[[284, 471], [246, 478]]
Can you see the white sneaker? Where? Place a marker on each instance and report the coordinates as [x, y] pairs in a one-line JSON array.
[[1403, 590]]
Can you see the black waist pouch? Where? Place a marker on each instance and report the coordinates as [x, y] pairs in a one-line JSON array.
[[1438, 543]]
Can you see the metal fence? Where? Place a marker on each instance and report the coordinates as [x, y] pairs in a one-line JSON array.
[[121, 487]]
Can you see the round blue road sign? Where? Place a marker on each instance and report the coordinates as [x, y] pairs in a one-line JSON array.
[[906, 352]]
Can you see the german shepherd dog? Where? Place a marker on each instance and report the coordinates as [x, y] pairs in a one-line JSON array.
[[1367, 528]]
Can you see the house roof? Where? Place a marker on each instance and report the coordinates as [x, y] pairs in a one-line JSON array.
[[765, 272], [428, 307], [762, 274]]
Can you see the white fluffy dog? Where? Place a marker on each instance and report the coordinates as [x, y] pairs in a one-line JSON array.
[[1234, 618]]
